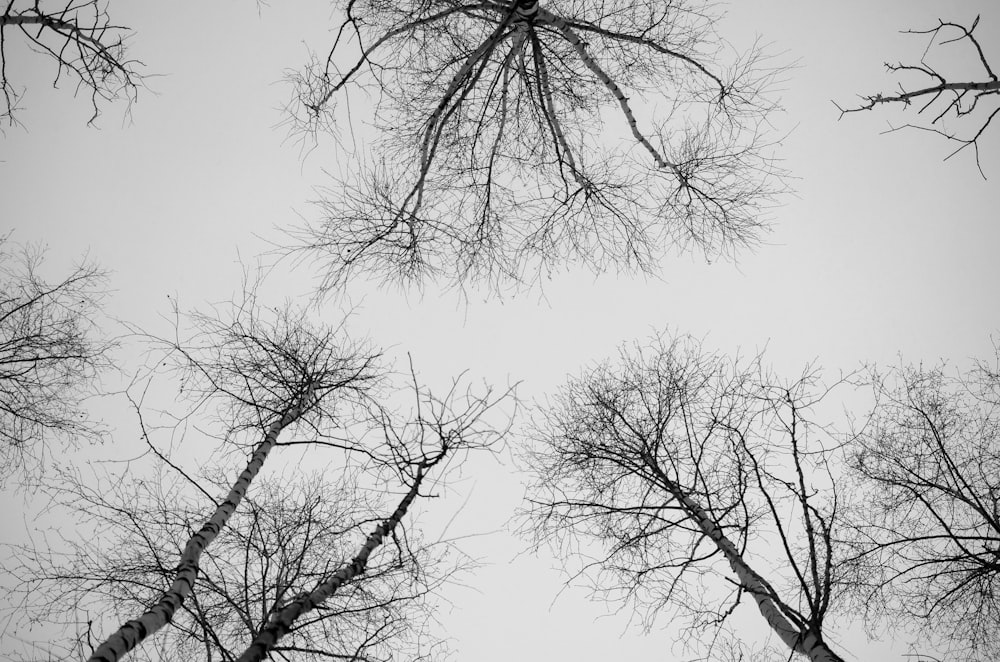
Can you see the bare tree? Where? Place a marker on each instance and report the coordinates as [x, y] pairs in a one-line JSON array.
[[83, 43], [436, 431], [51, 353], [272, 570], [290, 533], [929, 538], [698, 482], [959, 106], [265, 376], [498, 120], [294, 544]]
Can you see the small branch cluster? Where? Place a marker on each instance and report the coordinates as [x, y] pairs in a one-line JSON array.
[[929, 539], [82, 41], [256, 363], [51, 352]]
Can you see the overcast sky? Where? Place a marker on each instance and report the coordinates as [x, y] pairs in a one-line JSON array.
[[884, 251]]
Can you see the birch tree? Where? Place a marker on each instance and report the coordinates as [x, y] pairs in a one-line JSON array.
[[699, 484], [86, 47], [51, 355], [517, 136], [290, 531], [957, 103], [436, 431], [295, 568], [266, 377]]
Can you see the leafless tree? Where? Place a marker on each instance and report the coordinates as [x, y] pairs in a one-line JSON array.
[[376, 617], [290, 533], [437, 431], [959, 106], [79, 37], [929, 538], [517, 136], [265, 374], [275, 380], [697, 482], [51, 353]]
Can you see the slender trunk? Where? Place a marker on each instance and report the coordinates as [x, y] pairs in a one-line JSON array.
[[282, 621], [135, 631], [804, 642]]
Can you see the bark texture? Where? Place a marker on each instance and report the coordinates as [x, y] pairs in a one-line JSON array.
[[282, 622], [132, 633], [804, 642]]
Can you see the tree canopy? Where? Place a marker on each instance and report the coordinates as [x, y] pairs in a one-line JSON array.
[[518, 137], [273, 485]]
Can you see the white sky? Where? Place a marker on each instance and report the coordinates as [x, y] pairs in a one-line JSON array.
[[885, 251]]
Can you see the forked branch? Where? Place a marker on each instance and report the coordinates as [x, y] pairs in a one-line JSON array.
[[81, 40], [961, 107]]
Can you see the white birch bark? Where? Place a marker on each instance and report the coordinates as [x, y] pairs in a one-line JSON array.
[[282, 621], [135, 631], [806, 643]]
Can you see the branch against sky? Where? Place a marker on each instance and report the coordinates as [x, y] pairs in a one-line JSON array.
[[84, 45], [514, 138], [679, 465], [51, 354], [929, 539], [958, 106]]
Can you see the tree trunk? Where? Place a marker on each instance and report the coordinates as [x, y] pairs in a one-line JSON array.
[[135, 631], [282, 621], [804, 642]]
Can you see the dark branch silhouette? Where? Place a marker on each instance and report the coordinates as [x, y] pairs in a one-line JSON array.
[[51, 353], [929, 534], [517, 137], [85, 46], [960, 110]]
